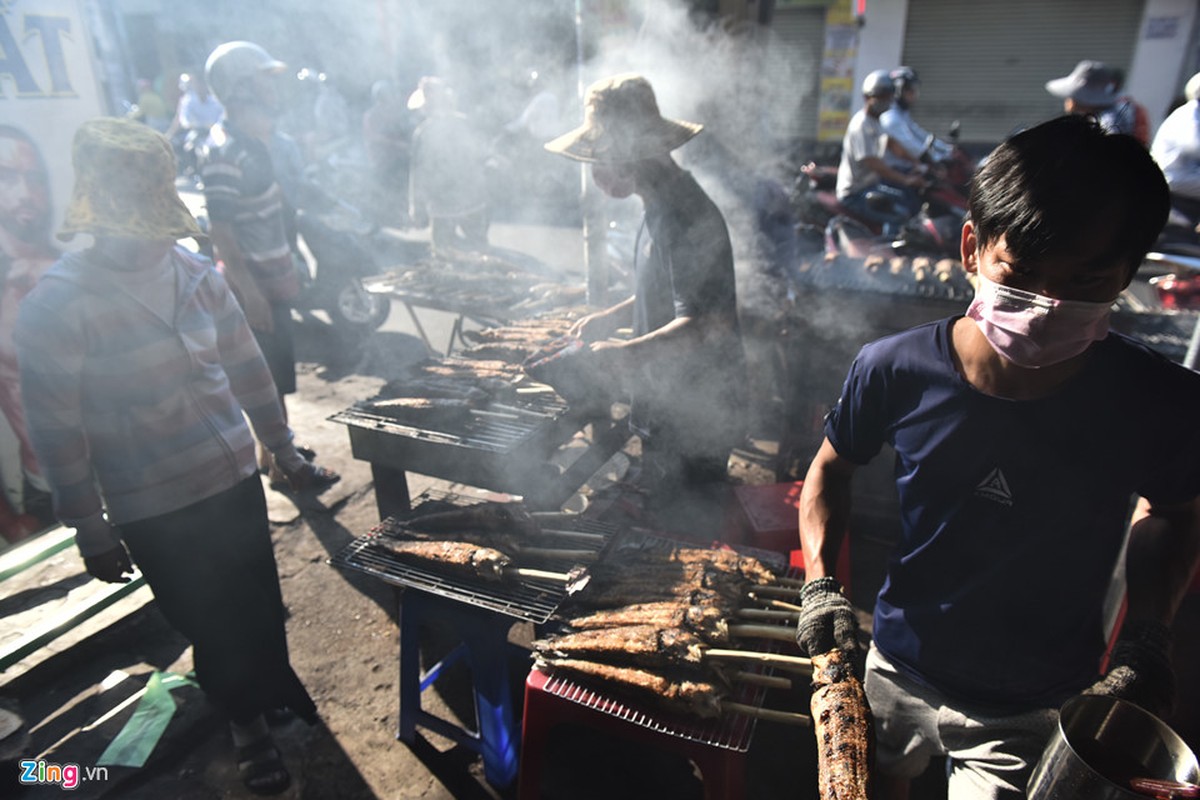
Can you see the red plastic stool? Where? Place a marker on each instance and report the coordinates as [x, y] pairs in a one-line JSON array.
[[723, 770]]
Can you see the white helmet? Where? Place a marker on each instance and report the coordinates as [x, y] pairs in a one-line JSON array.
[[878, 84], [231, 64]]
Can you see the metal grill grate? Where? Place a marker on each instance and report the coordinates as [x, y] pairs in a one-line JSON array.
[[731, 732], [533, 600]]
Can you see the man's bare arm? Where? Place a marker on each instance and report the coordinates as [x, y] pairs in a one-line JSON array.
[[1163, 555], [824, 510]]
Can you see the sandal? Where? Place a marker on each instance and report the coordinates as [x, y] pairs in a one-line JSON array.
[[261, 767], [309, 478]]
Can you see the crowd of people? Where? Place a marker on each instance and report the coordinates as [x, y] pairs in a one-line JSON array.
[[1024, 429]]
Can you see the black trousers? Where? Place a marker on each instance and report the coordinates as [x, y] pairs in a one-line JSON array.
[[212, 570]]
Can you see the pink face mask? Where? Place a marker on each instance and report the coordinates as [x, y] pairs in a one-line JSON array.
[[1032, 330]]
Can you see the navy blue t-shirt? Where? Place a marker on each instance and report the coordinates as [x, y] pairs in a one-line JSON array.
[[1013, 511]]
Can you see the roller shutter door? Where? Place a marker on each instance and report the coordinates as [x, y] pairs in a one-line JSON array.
[[986, 63], [794, 48]]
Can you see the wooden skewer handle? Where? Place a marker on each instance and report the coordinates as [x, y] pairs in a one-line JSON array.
[[781, 633], [773, 659], [788, 717], [580, 536], [777, 591], [763, 613], [759, 679], [550, 552], [538, 574], [777, 604]]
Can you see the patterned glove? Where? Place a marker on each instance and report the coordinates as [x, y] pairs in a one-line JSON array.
[[1140, 668], [827, 619]]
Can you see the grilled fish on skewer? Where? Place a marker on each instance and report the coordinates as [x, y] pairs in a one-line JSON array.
[[485, 562], [645, 645], [664, 613], [700, 698], [843, 728]]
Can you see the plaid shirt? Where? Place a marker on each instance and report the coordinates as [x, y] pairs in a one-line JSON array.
[[135, 414]]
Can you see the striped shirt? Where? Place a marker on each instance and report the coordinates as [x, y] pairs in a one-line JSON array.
[[240, 189], [134, 413]]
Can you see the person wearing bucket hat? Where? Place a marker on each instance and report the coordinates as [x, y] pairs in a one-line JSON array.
[[246, 212], [1020, 496], [137, 366], [1093, 88], [684, 365]]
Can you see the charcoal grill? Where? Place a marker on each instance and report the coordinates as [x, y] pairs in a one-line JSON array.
[[532, 600], [504, 446]]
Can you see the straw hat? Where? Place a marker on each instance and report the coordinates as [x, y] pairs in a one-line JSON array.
[[125, 184], [621, 122]]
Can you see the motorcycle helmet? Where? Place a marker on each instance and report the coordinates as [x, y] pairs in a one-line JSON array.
[[904, 78], [232, 64], [878, 84]]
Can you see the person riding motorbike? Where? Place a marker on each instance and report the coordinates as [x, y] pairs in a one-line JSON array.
[[900, 126], [867, 185], [197, 112]]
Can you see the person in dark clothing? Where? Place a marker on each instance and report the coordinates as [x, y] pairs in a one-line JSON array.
[[684, 364], [1023, 432]]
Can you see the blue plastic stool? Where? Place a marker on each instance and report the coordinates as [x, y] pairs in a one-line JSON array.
[[484, 643]]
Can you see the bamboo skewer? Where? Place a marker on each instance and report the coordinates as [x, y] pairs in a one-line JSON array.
[[581, 536], [780, 633], [766, 614], [550, 552], [788, 717], [777, 591], [791, 663], [777, 604], [537, 574], [759, 679]]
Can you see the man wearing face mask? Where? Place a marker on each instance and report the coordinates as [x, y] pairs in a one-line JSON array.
[[684, 365], [1023, 430]]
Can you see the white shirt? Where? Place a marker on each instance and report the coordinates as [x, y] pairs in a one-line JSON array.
[[864, 138], [1176, 148]]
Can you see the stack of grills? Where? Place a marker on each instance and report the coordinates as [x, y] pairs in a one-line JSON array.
[[477, 418], [481, 286]]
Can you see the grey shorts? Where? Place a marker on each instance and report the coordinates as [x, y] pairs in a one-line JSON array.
[[989, 756]]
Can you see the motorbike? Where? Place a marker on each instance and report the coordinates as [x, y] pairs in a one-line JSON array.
[[1174, 264], [934, 230], [332, 279]]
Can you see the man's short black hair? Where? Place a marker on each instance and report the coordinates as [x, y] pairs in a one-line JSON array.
[[1048, 185]]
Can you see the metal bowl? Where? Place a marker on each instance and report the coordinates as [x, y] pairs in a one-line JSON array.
[[1100, 745]]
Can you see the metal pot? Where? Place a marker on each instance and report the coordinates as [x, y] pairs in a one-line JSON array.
[[1100, 745]]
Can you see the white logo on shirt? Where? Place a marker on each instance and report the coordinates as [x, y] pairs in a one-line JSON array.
[[995, 487]]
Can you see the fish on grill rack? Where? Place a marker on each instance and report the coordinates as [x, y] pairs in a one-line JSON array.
[[455, 557], [616, 584], [641, 645], [842, 722], [698, 697], [664, 614], [422, 411]]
